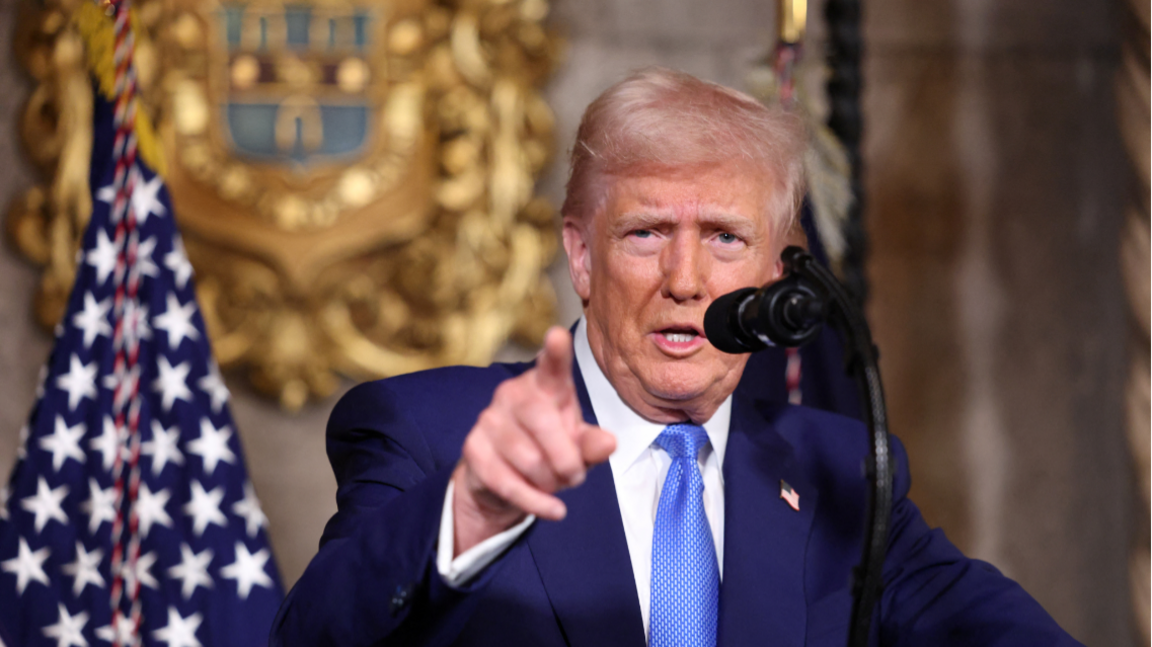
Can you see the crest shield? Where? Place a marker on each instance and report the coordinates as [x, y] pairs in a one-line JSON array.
[[353, 179]]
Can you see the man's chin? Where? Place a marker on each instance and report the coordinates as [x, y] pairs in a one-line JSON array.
[[677, 389], [687, 384]]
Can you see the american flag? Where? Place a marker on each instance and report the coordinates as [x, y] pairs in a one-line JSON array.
[[792, 497], [129, 518]]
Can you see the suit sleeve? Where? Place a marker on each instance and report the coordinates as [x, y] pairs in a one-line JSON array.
[[934, 595], [374, 580]]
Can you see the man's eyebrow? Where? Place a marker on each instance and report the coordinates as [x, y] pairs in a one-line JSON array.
[[643, 219], [709, 219], [725, 220]]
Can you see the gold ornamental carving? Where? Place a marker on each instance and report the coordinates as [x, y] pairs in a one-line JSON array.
[[353, 179]]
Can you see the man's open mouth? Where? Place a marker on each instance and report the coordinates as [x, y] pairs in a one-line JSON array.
[[680, 335]]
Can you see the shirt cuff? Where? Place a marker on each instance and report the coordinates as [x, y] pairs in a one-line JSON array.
[[457, 572]]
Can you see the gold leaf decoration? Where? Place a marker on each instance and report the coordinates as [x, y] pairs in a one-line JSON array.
[[354, 179]]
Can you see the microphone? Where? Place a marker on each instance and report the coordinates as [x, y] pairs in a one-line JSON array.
[[788, 312]]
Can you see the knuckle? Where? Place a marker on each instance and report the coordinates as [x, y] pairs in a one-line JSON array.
[[526, 458], [469, 450], [503, 488], [486, 421], [494, 423], [503, 389], [491, 482], [534, 466], [569, 468], [565, 449], [523, 458], [508, 393], [475, 462]]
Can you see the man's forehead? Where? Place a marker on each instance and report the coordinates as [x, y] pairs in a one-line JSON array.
[[713, 196], [657, 190]]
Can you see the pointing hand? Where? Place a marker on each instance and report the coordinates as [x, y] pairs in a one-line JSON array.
[[528, 444]]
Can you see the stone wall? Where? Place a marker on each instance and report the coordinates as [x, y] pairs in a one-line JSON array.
[[996, 187]]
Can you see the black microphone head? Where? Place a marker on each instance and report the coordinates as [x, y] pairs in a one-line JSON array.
[[788, 312], [721, 325]]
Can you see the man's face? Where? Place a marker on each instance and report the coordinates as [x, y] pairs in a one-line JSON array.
[[648, 265]]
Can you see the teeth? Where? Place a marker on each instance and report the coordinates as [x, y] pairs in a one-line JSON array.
[[679, 337]]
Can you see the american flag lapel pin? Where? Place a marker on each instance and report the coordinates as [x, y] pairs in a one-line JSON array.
[[790, 495]]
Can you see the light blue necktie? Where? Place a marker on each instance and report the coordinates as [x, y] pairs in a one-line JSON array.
[[685, 576]]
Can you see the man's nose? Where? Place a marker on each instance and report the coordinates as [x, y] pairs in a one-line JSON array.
[[685, 268]]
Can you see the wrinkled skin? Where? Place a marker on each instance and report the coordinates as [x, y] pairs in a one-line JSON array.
[[646, 265], [661, 251]]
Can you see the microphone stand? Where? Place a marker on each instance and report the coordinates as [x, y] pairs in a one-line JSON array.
[[861, 361]]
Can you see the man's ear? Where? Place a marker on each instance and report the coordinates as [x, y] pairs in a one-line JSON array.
[[576, 235]]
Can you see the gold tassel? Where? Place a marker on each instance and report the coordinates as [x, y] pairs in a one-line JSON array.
[[98, 32]]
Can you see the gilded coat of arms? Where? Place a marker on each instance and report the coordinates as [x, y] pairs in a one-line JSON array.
[[353, 178]]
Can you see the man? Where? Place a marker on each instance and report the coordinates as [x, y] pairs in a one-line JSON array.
[[627, 489]]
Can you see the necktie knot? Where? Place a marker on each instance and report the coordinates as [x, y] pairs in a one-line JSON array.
[[682, 440]]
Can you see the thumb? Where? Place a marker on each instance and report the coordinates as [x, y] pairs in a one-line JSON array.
[[596, 445]]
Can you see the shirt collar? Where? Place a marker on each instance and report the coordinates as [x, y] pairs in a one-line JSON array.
[[634, 434]]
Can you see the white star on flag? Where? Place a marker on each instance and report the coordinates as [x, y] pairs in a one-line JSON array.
[[102, 257], [69, 629], [64, 443], [177, 261], [107, 487], [45, 504], [100, 506], [163, 448], [141, 572], [123, 384], [135, 320], [172, 382], [145, 196], [249, 509], [150, 509], [93, 320], [192, 571], [27, 565], [124, 632], [79, 381], [85, 569], [145, 199], [107, 443], [247, 570], [204, 508], [213, 385], [22, 444], [144, 264], [212, 446], [180, 631], [177, 321]]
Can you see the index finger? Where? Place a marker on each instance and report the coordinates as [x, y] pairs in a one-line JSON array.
[[554, 368]]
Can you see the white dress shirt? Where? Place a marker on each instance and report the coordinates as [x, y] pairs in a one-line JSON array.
[[639, 467]]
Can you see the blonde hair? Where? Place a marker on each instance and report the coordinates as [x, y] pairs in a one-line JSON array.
[[659, 119]]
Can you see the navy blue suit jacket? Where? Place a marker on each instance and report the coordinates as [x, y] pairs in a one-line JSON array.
[[393, 445]]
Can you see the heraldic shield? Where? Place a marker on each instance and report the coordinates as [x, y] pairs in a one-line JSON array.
[[353, 178]]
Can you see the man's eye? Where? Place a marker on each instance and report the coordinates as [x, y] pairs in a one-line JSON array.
[[728, 239], [642, 233]]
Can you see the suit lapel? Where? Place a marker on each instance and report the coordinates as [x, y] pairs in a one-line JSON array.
[[584, 562], [762, 595]]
